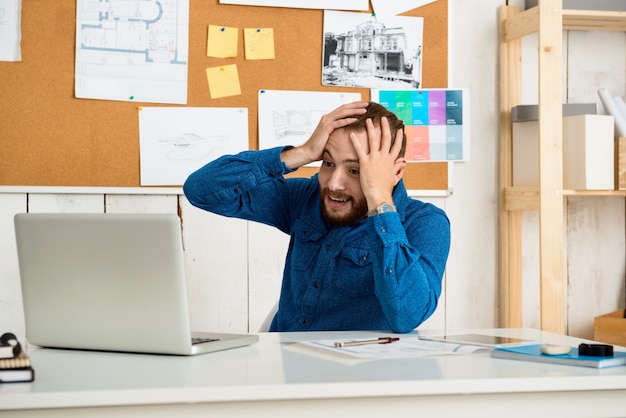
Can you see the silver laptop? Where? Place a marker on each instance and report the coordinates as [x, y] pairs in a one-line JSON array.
[[113, 282]]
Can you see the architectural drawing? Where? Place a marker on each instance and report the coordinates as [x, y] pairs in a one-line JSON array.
[[360, 51], [132, 50], [290, 117]]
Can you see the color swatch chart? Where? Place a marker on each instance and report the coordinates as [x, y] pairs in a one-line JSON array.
[[436, 121]]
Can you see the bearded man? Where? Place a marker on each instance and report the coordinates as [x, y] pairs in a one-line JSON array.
[[363, 254]]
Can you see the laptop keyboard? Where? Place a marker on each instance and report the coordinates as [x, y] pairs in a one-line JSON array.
[[200, 340]]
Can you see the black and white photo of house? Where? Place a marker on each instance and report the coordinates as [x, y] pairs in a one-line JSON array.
[[363, 51]]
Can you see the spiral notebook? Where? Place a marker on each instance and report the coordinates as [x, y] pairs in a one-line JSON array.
[[113, 282]]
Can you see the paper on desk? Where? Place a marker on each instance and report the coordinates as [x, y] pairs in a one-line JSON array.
[[407, 347]]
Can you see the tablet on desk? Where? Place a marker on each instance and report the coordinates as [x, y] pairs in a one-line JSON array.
[[478, 339]]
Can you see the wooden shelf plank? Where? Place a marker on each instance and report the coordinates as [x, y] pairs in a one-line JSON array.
[[521, 198], [527, 198], [605, 193], [521, 24], [527, 22], [594, 20]]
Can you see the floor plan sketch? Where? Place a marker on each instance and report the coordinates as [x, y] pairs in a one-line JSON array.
[[132, 50]]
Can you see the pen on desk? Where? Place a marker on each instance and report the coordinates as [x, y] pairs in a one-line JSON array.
[[381, 340]]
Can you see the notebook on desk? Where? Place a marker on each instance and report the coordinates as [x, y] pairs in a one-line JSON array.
[[113, 282]]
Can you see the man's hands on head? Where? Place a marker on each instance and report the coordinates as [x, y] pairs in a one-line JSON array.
[[380, 169], [313, 149]]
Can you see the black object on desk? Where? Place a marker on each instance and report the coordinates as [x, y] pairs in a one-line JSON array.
[[595, 350], [15, 368]]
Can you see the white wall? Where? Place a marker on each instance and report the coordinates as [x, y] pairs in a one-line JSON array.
[[235, 267], [472, 271]]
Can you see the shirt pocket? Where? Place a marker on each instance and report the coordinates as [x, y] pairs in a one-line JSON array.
[[306, 246], [355, 275]]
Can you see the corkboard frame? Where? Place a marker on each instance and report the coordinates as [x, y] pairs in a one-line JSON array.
[[50, 138]]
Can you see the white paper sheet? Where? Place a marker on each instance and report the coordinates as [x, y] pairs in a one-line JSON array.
[[288, 117], [406, 347], [175, 141], [305, 4], [10, 30], [132, 50]]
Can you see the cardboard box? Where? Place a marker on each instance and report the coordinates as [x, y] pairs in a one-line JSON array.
[[610, 328], [587, 144]]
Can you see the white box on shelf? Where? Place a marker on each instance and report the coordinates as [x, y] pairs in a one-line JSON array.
[[525, 140], [588, 152]]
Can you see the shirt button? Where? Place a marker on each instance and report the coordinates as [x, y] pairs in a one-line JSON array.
[[272, 174], [304, 321], [388, 270], [383, 230], [236, 190], [316, 285]]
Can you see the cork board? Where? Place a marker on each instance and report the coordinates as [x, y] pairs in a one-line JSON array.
[[50, 138]]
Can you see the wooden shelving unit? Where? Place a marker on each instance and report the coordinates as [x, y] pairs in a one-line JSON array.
[[548, 20]]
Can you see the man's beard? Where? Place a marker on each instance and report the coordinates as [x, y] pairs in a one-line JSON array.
[[358, 211]]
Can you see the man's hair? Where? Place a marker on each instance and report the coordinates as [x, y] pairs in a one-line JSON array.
[[375, 111]]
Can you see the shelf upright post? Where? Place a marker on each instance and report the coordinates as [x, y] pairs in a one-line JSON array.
[[551, 200], [510, 267]]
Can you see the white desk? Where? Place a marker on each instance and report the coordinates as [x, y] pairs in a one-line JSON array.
[[269, 379]]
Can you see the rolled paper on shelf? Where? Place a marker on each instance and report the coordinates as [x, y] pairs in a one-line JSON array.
[[611, 108], [621, 105]]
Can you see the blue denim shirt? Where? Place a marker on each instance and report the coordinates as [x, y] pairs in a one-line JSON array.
[[382, 273]]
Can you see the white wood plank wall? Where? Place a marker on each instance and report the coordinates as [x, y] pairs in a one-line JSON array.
[[234, 267]]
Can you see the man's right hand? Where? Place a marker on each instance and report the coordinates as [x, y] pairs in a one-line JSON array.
[[313, 149]]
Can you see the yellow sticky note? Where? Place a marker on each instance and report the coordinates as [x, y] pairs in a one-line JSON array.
[[259, 43], [221, 42], [223, 81]]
